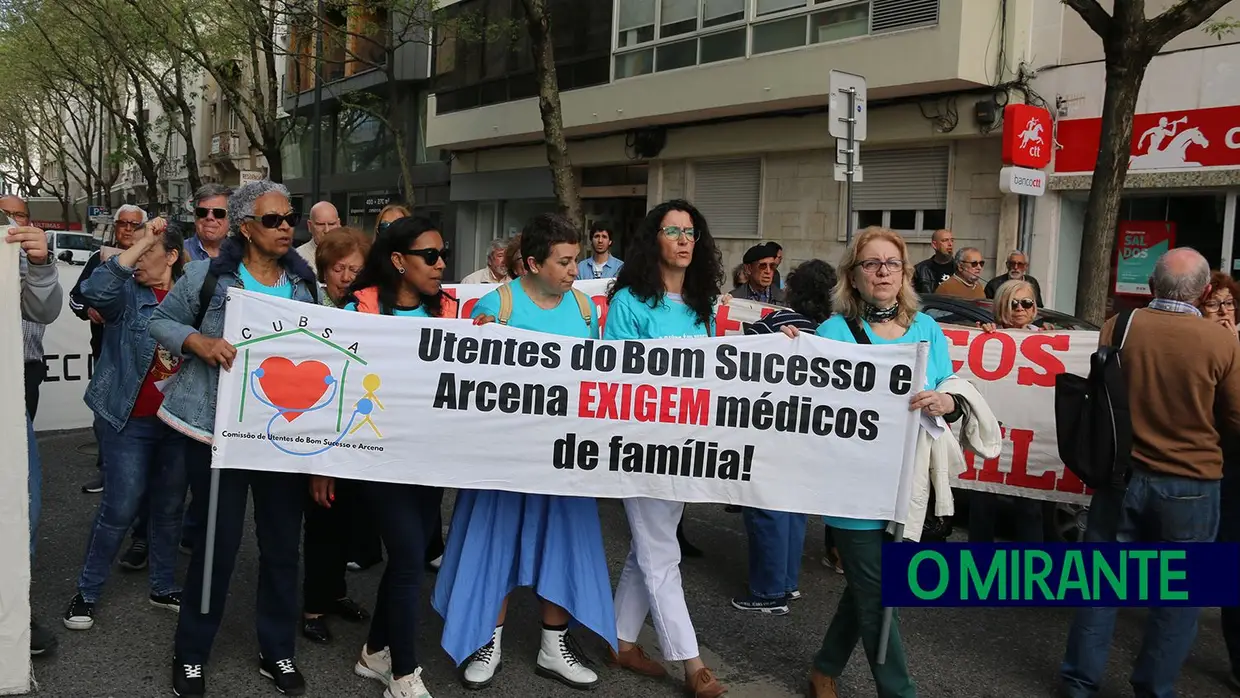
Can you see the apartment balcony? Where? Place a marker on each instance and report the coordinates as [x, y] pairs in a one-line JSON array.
[[752, 62], [225, 145]]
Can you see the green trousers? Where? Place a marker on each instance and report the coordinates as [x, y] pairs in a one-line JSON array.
[[860, 616]]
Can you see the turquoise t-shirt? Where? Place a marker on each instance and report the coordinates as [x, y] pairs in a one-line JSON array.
[[564, 319], [938, 369], [398, 311], [630, 318], [284, 289]]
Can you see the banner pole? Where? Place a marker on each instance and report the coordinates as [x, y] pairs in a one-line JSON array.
[[906, 485], [209, 550]]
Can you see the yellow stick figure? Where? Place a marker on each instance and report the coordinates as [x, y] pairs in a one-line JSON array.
[[367, 404]]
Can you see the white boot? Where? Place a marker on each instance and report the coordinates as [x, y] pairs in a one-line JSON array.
[[560, 659], [483, 665], [410, 686], [374, 665]]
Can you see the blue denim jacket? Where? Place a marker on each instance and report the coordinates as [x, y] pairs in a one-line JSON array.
[[128, 348], [189, 402]]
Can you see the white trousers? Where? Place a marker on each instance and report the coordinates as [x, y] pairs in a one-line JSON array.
[[650, 583]]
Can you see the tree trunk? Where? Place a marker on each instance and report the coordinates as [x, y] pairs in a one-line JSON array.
[[563, 179], [406, 168], [1119, 103]]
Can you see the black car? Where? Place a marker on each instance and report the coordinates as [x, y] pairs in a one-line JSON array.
[[1061, 522]]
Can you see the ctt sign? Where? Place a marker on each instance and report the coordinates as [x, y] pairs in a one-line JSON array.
[[1027, 136], [1021, 180]]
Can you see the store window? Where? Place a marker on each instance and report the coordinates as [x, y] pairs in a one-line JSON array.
[[363, 143]]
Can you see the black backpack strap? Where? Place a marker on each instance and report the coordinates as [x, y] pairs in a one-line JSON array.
[[858, 334], [1121, 329], [209, 282]]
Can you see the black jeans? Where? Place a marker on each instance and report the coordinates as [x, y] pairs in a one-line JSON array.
[[1229, 532], [326, 546], [279, 499], [984, 509], [404, 513], [35, 372]]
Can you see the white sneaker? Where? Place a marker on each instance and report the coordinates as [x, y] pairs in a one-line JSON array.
[[483, 665], [410, 686], [374, 665], [437, 562], [559, 658]]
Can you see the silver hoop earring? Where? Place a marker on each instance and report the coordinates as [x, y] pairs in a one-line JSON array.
[[400, 270]]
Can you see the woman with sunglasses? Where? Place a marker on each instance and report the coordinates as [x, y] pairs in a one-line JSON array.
[[389, 215], [258, 257], [403, 276], [666, 288]]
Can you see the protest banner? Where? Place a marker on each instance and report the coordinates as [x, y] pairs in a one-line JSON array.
[[806, 425], [1015, 371], [70, 366]]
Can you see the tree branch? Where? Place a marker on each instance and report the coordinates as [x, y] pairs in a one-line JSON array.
[[1093, 14], [1184, 15]]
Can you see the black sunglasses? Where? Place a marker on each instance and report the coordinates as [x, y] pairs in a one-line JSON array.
[[430, 255], [218, 214], [1023, 303], [273, 220], [382, 228]]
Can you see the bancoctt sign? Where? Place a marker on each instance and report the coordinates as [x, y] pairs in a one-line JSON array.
[[1021, 180]]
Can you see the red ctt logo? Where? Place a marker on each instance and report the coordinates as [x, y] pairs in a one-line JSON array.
[[1026, 136]]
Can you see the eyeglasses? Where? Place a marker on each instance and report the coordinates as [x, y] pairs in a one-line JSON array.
[[430, 255], [675, 232], [979, 263], [341, 269], [132, 225], [17, 215], [218, 214], [1026, 303], [383, 227], [766, 266], [1215, 306], [1017, 265], [273, 220], [871, 266]]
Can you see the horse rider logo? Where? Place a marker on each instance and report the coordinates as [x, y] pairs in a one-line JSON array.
[[1031, 138], [1174, 154]]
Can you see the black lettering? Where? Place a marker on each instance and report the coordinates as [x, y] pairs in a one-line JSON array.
[[327, 333], [277, 325], [763, 412], [868, 428], [842, 380], [468, 351], [820, 370], [798, 368], [445, 392], [901, 380], [428, 347], [353, 347], [551, 355], [245, 333], [726, 370], [864, 377], [773, 370], [303, 321], [605, 357], [564, 452], [846, 423]]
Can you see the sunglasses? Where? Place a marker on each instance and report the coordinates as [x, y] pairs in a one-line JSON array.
[[978, 263], [1017, 265], [675, 232], [1025, 303], [430, 255], [218, 214], [382, 228], [766, 266], [273, 220]]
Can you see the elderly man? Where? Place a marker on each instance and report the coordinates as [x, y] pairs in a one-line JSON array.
[[1017, 270], [324, 218], [1173, 492], [210, 222], [32, 332], [125, 223], [496, 270], [929, 273], [967, 281], [41, 300], [760, 263]]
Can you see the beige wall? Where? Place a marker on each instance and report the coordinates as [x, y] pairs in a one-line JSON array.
[[1080, 44]]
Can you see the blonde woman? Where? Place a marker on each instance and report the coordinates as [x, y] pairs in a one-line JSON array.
[[1015, 308], [389, 215], [874, 303]]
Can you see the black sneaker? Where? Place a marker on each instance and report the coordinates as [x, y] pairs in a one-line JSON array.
[[95, 486], [172, 601], [186, 547], [284, 673], [42, 640], [80, 615], [187, 680], [774, 607], [135, 558]]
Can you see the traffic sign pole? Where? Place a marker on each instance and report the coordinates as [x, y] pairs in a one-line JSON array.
[[846, 114], [852, 159]]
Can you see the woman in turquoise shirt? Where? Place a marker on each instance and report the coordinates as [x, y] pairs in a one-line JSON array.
[[874, 300], [502, 540], [666, 289]]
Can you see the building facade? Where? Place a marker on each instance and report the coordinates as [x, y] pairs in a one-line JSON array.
[[724, 103]]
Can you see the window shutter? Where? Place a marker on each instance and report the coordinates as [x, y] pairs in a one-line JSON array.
[[893, 15], [727, 193], [912, 178]]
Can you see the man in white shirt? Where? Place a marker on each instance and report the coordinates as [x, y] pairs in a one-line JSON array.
[[601, 265], [324, 218], [494, 272]]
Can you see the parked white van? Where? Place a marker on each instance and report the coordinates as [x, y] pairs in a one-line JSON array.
[[74, 247]]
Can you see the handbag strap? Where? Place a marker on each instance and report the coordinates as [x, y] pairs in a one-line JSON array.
[[858, 334]]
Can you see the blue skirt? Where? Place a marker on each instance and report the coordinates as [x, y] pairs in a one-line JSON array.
[[502, 540]]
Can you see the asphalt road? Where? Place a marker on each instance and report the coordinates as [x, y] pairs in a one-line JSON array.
[[972, 653]]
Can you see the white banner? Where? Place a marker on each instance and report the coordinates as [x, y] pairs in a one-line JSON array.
[[1015, 371], [806, 425]]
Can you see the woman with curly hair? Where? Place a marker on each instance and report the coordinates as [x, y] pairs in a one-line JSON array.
[[666, 288]]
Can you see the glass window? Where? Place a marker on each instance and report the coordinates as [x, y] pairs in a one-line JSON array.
[[677, 17], [635, 25], [766, 7], [866, 219], [721, 47], [363, 143], [844, 23], [934, 219], [779, 35], [716, 12], [904, 220], [681, 54], [635, 63]]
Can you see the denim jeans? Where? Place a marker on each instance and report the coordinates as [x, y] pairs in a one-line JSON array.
[[776, 542], [1155, 508], [195, 517], [34, 483], [145, 457]]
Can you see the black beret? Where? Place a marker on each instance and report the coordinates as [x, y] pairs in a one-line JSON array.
[[760, 252]]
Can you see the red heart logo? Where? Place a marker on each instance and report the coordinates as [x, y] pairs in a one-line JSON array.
[[291, 386]]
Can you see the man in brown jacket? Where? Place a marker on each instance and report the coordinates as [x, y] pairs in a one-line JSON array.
[[967, 282], [1181, 371]]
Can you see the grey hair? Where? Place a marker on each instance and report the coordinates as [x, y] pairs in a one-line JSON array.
[[965, 250], [1181, 283], [129, 208], [241, 203], [210, 191], [1015, 253], [498, 245]]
